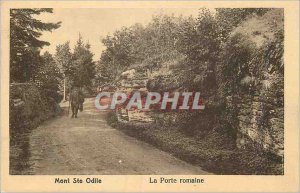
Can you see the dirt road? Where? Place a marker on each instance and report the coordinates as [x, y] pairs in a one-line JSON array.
[[87, 145]]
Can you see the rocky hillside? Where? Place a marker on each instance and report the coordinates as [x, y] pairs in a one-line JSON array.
[[235, 59], [258, 103]]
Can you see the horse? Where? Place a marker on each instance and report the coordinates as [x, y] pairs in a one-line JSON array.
[[76, 100]]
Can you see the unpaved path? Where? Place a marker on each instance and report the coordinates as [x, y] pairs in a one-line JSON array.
[[87, 145]]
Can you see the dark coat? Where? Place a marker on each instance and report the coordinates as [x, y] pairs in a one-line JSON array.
[[76, 97]]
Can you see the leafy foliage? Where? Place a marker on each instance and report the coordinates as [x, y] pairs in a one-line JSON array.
[[24, 43], [63, 58], [77, 67], [230, 18], [234, 57], [26, 63], [83, 67], [49, 77], [148, 46]]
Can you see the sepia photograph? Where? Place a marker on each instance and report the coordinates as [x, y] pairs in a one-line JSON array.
[[147, 96], [69, 76]]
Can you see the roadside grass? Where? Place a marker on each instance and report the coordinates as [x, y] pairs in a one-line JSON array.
[[19, 145], [213, 151]]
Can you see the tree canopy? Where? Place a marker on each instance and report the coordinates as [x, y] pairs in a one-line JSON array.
[[78, 66], [25, 45]]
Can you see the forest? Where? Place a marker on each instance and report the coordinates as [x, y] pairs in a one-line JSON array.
[[234, 57]]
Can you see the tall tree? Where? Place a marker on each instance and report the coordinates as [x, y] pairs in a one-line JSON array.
[[151, 45], [48, 77], [63, 58], [83, 64], [24, 43], [201, 46]]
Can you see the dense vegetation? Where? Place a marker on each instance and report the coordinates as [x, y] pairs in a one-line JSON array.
[[77, 67], [46, 72], [234, 57], [34, 77], [37, 80]]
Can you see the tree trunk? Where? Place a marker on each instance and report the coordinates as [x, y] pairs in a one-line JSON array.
[[64, 89]]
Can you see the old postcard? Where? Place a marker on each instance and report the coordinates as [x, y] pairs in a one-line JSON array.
[[149, 96]]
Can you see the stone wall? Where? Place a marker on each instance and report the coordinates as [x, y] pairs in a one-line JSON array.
[[259, 103], [261, 124], [133, 80], [254, 109]]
